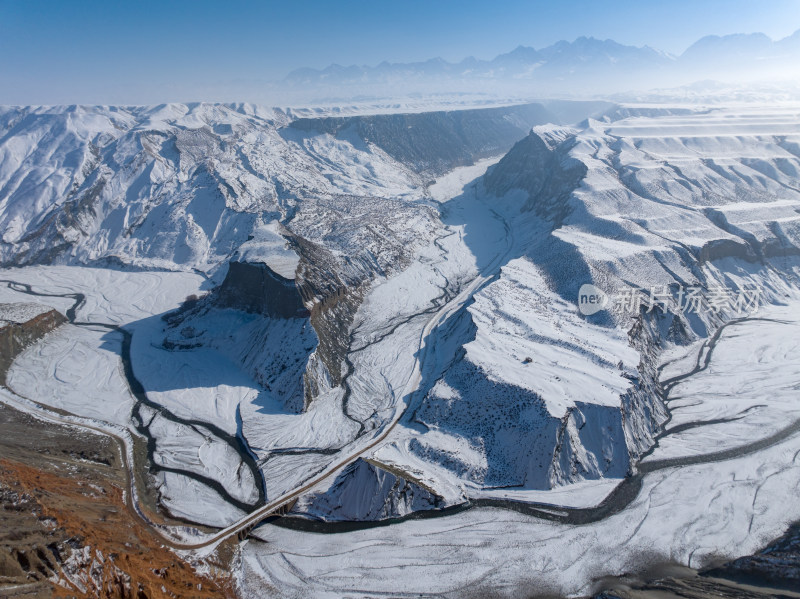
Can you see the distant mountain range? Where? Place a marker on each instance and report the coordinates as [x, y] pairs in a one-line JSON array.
[[598, 64]]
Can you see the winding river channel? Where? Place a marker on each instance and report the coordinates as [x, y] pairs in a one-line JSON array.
[[142, 425], [260, 512]]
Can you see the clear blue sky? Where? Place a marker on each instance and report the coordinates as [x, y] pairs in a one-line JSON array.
[[137, 51]]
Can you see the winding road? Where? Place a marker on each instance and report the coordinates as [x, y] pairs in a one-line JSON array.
[[258, 515], [615, 502]]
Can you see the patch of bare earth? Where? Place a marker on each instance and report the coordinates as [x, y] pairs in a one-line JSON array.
[[65, 530]]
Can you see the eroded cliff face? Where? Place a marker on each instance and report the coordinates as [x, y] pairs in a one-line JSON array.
[[434, 143], [543, 171], [368, 490], [257, 319], [317, 308], [255, 288], [21, 325], [292, 335]]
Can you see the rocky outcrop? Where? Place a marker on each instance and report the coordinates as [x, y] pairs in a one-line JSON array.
[[367, 490], [66, 529], [256, 318], [21, 325], [775, 566], [547, 175], [254, 287], [295, 337]]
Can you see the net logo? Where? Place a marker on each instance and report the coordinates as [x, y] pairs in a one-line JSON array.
[[591, 299]]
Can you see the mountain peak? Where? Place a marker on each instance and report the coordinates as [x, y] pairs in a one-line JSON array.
[[736, 42], [584, 64]]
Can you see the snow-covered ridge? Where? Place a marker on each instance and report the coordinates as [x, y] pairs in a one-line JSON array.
[[585, 66], [519, 395], [187, 185], [433, 143], [190, 187], [530, 395]]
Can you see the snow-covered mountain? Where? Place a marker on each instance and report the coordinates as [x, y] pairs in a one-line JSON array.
[[562, 58], [583, 66], [406, 275], [186, 185], [192, 187], [528, 395], [377, 318]]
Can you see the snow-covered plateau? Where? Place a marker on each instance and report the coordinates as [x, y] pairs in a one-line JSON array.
[[372, 321]]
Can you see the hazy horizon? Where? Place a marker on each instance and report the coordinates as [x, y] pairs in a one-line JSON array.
[[101, 53]]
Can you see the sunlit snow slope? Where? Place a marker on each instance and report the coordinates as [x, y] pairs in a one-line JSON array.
[[525, 393], [344, 256]]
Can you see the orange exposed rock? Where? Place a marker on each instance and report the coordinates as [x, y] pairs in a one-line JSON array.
[[66, 531], [105, 552]]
